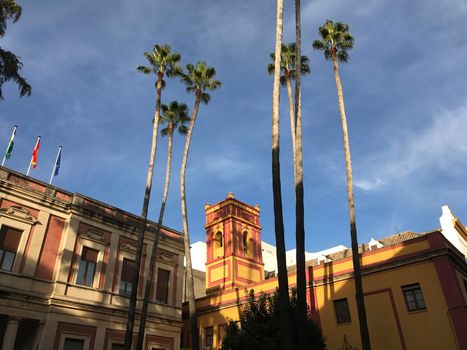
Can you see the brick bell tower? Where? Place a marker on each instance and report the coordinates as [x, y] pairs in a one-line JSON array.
[[233, 245]]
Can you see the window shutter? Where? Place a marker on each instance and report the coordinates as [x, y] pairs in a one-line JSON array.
[[89, 254], [127, 270], [162, 291], [9, 239]]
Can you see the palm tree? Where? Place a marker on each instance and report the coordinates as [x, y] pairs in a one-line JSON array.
[[10, 64], [175, 116], [300, 68], [162, 62], [335, 41], [288, 70], [198, 79], [276, 190]]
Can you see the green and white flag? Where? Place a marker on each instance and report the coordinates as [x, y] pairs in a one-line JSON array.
[[9, 148]]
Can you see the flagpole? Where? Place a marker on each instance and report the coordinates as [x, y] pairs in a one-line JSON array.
[[30, 162], [8, 146], [55, 165]]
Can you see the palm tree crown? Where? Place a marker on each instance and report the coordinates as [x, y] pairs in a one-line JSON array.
[[162, 61], [200, 78], [335, 42], [288, 63], [175, 115]]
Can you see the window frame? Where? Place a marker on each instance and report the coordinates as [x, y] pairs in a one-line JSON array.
[[126, 282], [26, 230], [411, 290], [66, 335], [340, 318], [87, 264], [205, 338], [4, 252], [170, 272], [85, 242]]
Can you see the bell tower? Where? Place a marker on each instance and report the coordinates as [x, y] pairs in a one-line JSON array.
[[233, 245]]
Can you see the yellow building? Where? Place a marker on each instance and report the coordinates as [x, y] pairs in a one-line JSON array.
[[415, 284], [66, 264]]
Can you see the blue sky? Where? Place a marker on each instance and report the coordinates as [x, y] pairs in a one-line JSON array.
[[405, 90]]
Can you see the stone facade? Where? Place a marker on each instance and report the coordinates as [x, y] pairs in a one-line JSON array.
[[65, 262]]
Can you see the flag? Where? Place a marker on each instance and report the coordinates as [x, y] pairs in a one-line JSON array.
[[56, 165], [9, 149], [35, 153], [57, 162]]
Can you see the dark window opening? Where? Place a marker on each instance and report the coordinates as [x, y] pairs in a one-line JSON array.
[[87, 267], [162, 291], [245, 243], [414, 297], [126, 279], [73, 344], [342, 310], [9, 242], [208, 337]]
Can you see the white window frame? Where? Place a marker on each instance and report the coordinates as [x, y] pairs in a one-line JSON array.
[[88, 243]]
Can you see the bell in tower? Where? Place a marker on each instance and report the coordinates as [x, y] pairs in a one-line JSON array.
[[233, 241]]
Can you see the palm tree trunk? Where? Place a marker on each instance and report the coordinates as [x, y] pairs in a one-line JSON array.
[[292, 114], [152, 264], [186, 237], [299, 191], [144, 216], [276, 189], [364, 334]]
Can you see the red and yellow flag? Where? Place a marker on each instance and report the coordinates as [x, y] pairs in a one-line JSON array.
[[35, 153]]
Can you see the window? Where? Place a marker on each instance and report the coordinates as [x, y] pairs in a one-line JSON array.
[[208, 337], [126, 279], [87, 267], [218, 245], [162, 291], [414, 297], [9, 241], [341, 307], [73, 344], [245, 243], [218, 239]]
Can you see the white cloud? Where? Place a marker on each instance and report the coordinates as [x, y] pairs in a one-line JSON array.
[[441, 146]]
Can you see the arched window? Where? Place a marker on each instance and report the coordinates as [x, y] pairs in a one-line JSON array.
[[245, 243], [218, 245], [218, 239]]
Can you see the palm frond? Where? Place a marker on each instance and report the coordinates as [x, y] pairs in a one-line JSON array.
[[182, 129], [144, 70], [164, 132], [205, 98]]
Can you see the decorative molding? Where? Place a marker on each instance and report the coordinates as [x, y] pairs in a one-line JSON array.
[[166, 257], [19, 213], [129, 247], [94, 236]]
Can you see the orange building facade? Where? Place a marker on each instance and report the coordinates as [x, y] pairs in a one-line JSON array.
[[415, 285], [66, 262]]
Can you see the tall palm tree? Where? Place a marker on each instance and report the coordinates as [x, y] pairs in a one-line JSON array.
[[162, 62], [10, 64], [198, 79], [290, 67], [299, 188], [335, 41], [288, 73], [277, 192], [175, 116]]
